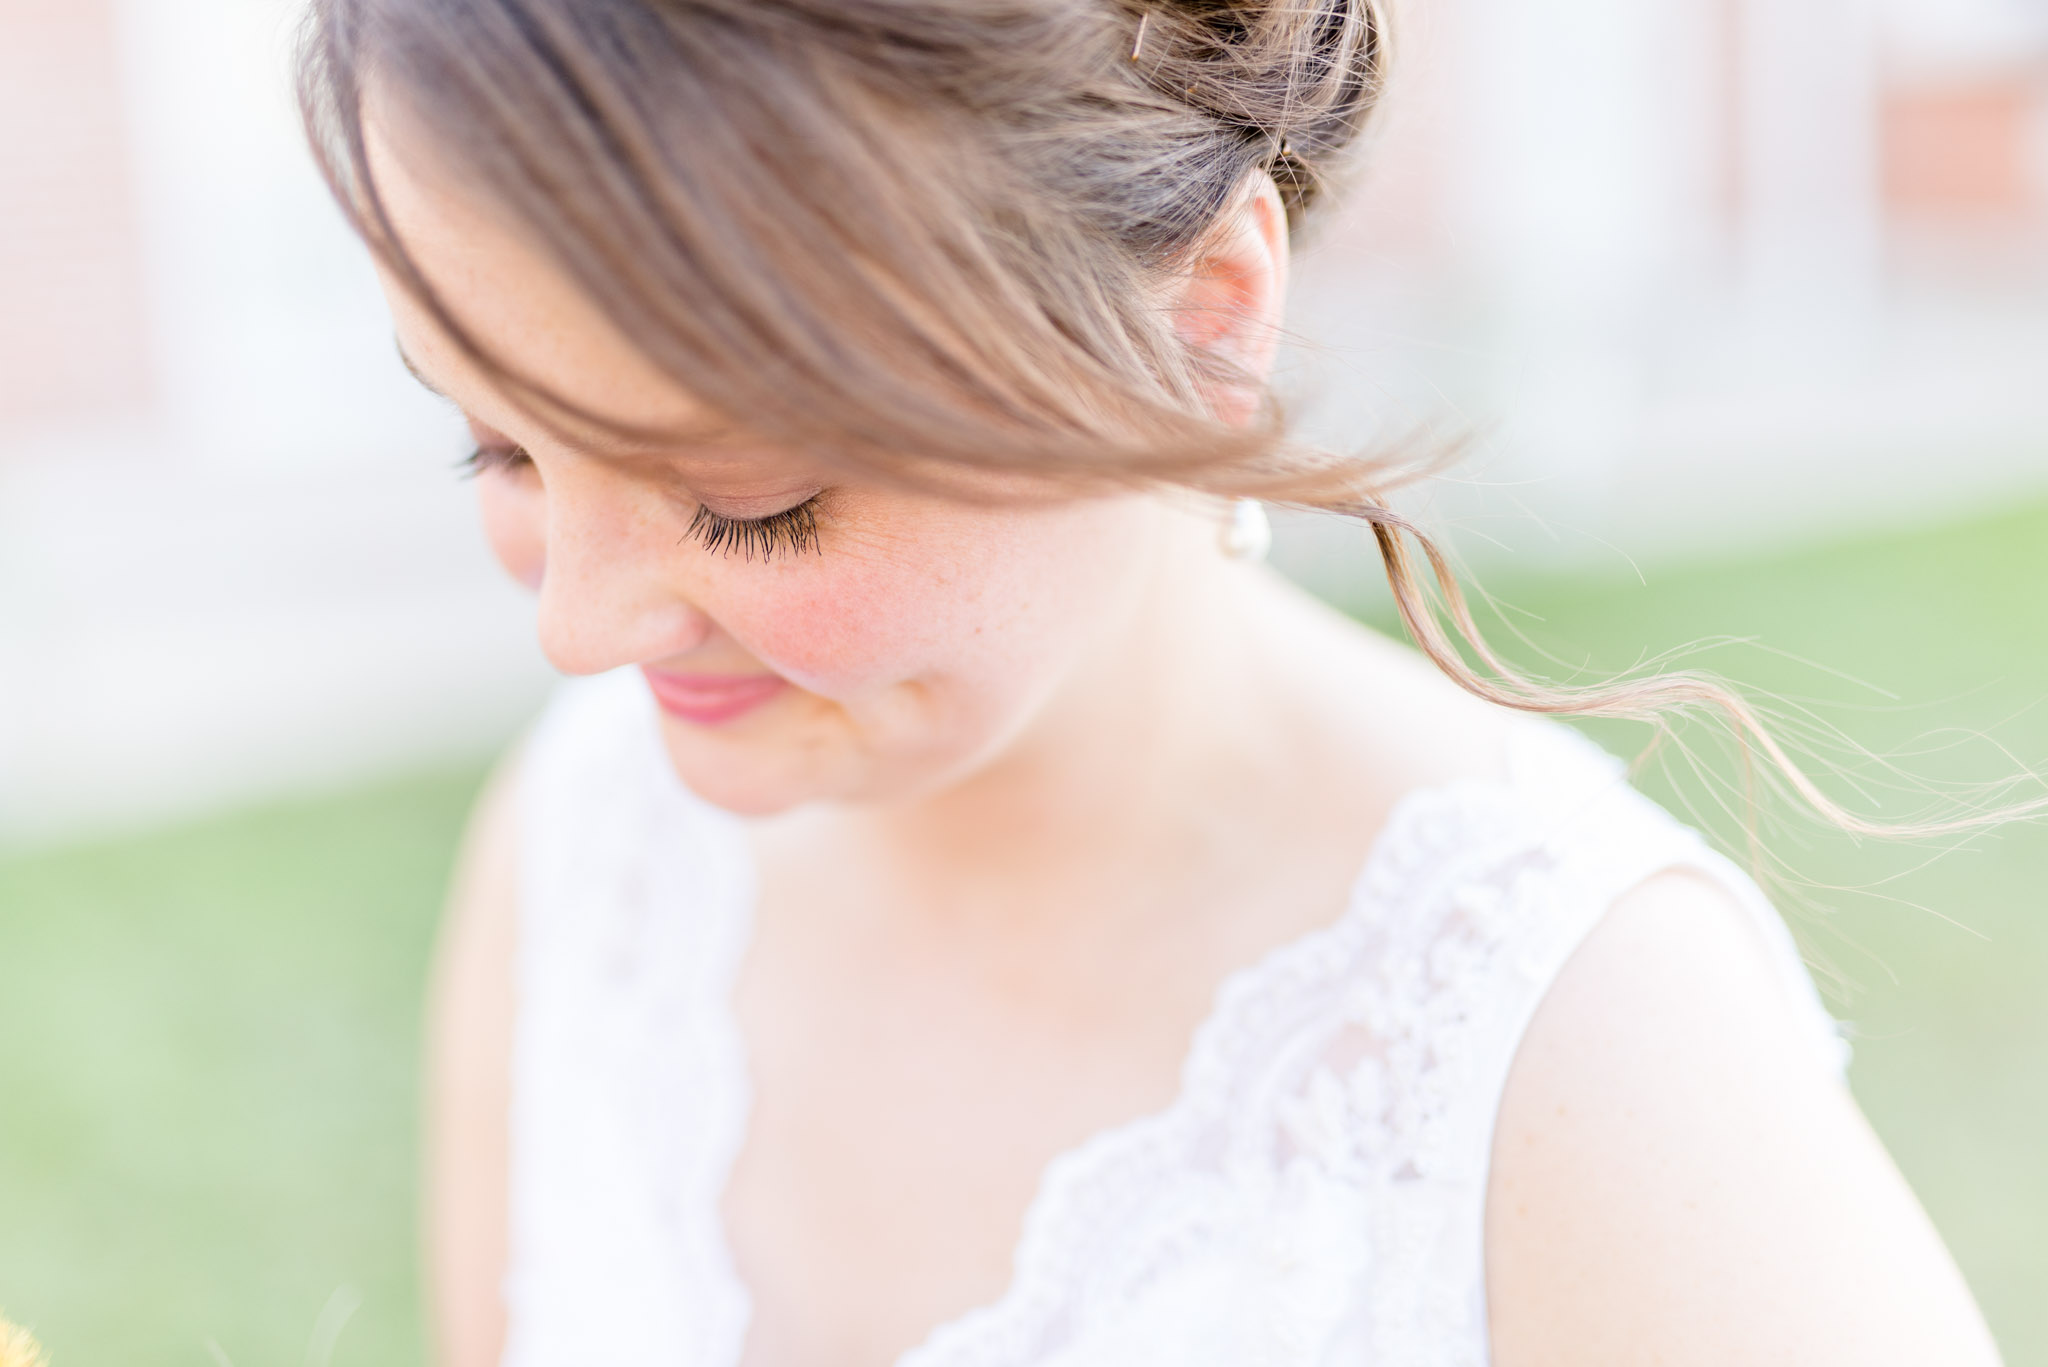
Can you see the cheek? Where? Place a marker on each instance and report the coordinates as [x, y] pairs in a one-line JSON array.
[[848, 631], [987, 602], [513, 508]]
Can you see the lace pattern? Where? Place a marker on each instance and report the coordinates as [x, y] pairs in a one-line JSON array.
[[1314, 1195]]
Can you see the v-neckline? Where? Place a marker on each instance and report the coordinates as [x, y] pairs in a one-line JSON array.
[[1050, 1211]]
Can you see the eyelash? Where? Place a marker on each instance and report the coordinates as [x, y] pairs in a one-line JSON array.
[[486, 458], [793, 531]]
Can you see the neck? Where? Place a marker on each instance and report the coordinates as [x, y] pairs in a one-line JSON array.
[[1133, 761]]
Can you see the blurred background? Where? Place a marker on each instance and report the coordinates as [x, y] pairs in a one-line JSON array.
[[1739, 309]]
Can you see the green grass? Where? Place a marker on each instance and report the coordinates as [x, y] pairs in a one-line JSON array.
[[207, 1036], [207, 1084], [1935, 952]]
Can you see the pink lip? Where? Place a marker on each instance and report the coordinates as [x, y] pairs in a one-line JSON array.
[[710, 699]]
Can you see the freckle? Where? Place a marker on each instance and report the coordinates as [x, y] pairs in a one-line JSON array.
[[1560, 1110]]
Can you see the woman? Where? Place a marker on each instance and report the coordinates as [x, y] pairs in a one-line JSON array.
[[977, 914]]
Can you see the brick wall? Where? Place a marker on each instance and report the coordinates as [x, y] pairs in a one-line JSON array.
[[72, 317], [1963, 147]]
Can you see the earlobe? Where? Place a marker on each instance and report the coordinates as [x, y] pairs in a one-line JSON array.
[[1232, 295]]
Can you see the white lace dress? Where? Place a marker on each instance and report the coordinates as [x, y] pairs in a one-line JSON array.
[[1315, 1194]]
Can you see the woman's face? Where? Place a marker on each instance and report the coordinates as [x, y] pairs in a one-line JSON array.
[[874, 643]]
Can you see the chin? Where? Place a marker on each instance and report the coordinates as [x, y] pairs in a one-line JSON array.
[[764, 776], [765, 772], [744, 780]]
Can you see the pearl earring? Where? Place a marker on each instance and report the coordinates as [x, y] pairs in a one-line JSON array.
[[1247, 533]]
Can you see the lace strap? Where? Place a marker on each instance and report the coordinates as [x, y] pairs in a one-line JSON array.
[[1602, 838], [1519, 912]]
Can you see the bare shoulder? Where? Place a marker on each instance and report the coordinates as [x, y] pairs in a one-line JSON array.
[[1379, 707], [469, 1086], [1676, 1180]]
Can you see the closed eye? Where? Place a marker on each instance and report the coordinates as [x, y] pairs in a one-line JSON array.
[[486, 459], [793, 531]]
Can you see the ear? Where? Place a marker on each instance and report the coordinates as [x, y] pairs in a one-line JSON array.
[[1231, 297]]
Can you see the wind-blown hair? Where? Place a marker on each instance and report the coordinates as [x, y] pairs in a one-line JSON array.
[[913, 236]]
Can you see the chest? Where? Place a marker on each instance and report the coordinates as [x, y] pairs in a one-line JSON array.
[[907, 1102], [921, 1054], [938, 1215], [731, 1161], [934, 1155]]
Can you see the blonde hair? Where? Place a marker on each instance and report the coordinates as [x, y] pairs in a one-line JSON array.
[[909, 236]]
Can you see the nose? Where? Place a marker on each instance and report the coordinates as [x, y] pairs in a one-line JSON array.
[[610, 595]]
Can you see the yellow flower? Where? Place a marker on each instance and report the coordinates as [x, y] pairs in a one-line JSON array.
[[17, 1349]]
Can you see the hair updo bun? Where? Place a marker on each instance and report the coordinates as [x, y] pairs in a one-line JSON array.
[[1294, 81]]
